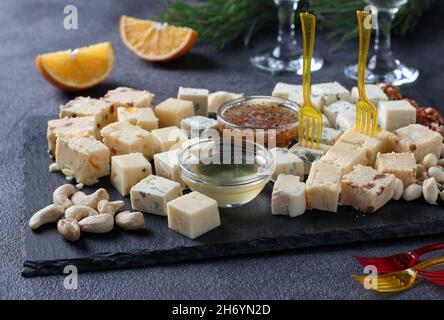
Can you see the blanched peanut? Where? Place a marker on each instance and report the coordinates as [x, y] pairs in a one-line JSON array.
[[399, 188], [100, 223], [51, 213], [92, 200], [130, 220], [429, 160], [430, 190], [69, 229], [440, 162], [79, 212], [436, 173], [106, 206], [62, 195], [412, 192]]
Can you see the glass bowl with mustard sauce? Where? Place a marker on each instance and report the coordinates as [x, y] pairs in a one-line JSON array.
[[270, 121]]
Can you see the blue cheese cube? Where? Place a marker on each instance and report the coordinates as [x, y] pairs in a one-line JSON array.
[[152, 194], [345, 120], [393, 115], [199, 98], [308, 155], [288, 197], [294, 92], [333, 110], [287, 162], [330, 92], [374, 93], [195, 125], [167, 165], [329, 135]]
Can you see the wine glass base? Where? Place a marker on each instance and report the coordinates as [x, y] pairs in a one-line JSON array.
[[398, 76], [270, 63]]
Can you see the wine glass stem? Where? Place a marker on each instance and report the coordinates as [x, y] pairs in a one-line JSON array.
[[287, 44], [383, 59]]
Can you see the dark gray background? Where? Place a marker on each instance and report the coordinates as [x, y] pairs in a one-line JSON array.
[[31, 27]]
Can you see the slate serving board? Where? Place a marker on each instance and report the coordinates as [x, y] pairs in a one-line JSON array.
[[245, 230]]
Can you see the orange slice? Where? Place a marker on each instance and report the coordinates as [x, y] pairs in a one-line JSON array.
[[79, 69], [156, 41]]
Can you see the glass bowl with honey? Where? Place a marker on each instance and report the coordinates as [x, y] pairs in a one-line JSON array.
[[232, 172], [269, 121]]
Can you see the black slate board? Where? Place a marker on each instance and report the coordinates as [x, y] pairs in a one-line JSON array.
[[245, 230]]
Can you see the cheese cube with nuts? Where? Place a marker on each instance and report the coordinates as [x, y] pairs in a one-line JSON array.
[[218, 98], [417, 139], [169, 138], [84, 158], [123, 138], [374, 93], [193, 214], [84, 126], [127, 170], [366, 189], [294, 92], [129, 97], [287, 162], [339, 107], [402, 165], [141, 117], [345, 156], [102, 111], [172, 111], [167, 165], [330, 92], [199, 98], [196, 124], [393, 115], [152, 194], [288, 197], [323, 187]]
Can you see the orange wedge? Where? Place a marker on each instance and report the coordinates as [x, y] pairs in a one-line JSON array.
[[79, 69], [156, 41]]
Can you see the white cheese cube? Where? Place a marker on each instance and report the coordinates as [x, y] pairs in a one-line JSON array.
[[374, 93], [418, 139], [169, 138], [330, 92], [129, 97], [393, 115], [83, 158], [288, 197], [152, 194], [287, 162], [102, 111], [367, 190], [172, 111], [309, 155], [345, 156], [167, 165], [127, 170], [124, 138], [332, 111], [196, 124], [345, 120], [323, 187], [294, 92], [218, 98], [141, 117], [199, 98], [84, 126], [193, 214], [402, 165]]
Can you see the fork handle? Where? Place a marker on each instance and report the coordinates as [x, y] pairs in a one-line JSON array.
[[426, 249], [308, 25], [364, 44]]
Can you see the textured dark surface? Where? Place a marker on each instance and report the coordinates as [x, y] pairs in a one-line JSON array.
[[31, 27]]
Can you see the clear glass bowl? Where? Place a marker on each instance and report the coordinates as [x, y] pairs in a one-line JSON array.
[[232, 172], [269, 135]]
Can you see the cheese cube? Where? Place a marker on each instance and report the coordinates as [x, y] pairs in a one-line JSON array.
[[329, 135], [402, 165], [169, 138], [294, 92], [83, 158], [167, 165], [124, 138], [193, 214], [129, 97], [345, 120], [196, 124], [199, 98], [418, 139], [152, 194], [373, 145], [102, 111], [367, 190], [127, 170], [287, 162], [330, 92], [288, 197], [374, 93], [141, 117], [171, 112], [84, 126], [345, 156], [333, 110], [218, 98], [323, 187], [308, 155], [393, 115]]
